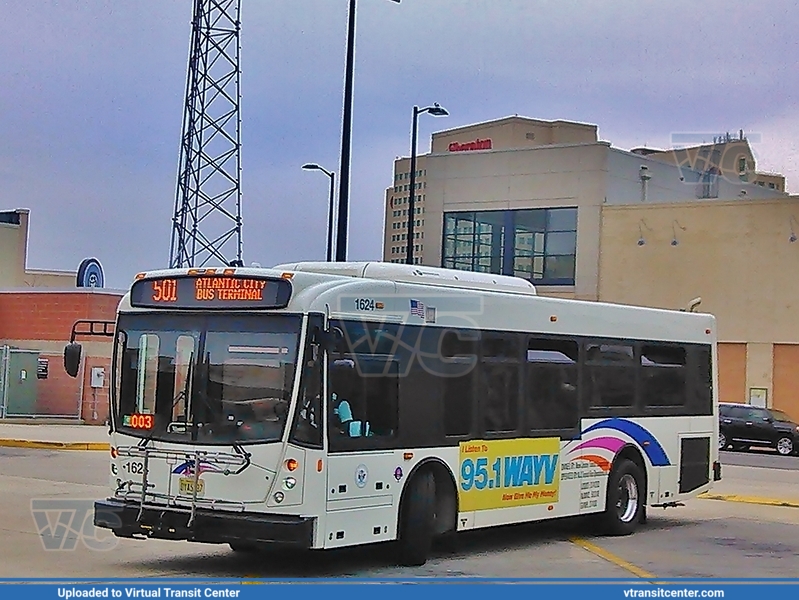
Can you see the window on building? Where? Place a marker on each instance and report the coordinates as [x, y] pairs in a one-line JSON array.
[[537, 244], [771, 185]]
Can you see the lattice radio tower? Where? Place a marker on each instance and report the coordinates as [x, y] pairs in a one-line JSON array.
[[206, 226]]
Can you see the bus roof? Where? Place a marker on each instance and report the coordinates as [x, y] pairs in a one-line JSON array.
[[401, 273], [427, 295]]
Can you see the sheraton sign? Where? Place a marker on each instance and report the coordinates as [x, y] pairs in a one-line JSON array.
[[477, 144]]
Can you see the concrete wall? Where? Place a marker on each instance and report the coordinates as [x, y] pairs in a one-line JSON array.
[[50, 279], [13, 246], [13, 257], [517, 132], [624, 184], [734, 255]]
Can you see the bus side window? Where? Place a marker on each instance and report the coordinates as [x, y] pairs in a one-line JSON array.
[[342, 392], [663, 380], [458, 350], [499, 398], [551, 384], [610, 375], [364, 392]]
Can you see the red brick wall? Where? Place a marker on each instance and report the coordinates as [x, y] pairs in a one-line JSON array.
[[30, 317], [50, 315], [59, 394]]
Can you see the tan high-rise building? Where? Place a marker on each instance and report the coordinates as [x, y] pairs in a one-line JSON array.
[[395, 241]]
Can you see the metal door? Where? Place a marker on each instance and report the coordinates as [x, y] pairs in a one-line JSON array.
[[21, 383]]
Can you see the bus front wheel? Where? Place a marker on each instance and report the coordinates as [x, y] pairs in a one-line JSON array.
[[417, 516], [624, 508]]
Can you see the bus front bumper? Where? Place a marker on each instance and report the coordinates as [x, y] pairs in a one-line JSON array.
[[209, 526]]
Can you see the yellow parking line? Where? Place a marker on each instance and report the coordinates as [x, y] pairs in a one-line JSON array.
[[11, 443], [612, 558], [750, 499]]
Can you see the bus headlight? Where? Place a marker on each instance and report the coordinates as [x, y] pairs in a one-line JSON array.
[[279, 497], [289, 483]]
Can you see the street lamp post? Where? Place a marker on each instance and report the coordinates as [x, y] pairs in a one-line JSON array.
[[346, 140], [315, 167], [436, 111]]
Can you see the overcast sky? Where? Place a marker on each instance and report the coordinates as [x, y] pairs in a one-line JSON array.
[[92, 92]]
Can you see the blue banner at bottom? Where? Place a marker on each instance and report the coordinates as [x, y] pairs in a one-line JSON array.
[[466, 589]]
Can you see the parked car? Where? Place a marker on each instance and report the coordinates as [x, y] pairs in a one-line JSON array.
[[742, 426]]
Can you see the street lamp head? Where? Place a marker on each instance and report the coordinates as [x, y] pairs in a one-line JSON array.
[[311, 167], [437, 110]]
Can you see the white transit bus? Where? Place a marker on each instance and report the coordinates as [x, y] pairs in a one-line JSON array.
[[323, 405]]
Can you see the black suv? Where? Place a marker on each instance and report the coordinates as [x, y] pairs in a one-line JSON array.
[[742, 426]]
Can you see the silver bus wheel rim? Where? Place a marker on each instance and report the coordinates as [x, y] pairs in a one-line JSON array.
[[627, 505]]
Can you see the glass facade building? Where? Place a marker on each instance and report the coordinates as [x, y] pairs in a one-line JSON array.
[[539, 244]]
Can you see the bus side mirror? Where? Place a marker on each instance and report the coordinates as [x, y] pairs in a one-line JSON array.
[[72, 353]]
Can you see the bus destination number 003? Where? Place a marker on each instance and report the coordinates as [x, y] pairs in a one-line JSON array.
[[364, 304]]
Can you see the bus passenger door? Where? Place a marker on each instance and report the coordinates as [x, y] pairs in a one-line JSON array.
[[364, 471]]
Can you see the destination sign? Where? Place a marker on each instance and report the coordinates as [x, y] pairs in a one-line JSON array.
[[211, 291]]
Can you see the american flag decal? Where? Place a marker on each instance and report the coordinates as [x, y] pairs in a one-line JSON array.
[[417, 308]]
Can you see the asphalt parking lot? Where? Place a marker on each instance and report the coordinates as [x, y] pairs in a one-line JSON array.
[[705, 538]]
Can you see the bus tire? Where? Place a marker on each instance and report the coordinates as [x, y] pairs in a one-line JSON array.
[[624, 507], [417, 515]]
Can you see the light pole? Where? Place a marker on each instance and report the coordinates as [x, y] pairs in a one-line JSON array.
[[346, 140], [436, 111], [315, 167]]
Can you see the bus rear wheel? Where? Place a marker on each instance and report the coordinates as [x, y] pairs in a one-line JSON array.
[[417, 516], [624, 508]]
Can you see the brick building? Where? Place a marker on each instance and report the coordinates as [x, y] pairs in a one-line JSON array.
[[37, 311], [41, 320]]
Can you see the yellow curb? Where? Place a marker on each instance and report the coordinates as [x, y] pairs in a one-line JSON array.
[[612, 558], [11, 443], [750, 499]]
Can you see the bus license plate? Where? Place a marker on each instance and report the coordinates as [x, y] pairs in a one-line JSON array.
[[187, 486]]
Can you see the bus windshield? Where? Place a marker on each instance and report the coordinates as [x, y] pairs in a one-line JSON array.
[[217, 379]]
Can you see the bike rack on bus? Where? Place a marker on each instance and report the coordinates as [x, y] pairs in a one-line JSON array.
[[237, 462]]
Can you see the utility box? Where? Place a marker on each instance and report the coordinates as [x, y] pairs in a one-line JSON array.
[[97, 379]]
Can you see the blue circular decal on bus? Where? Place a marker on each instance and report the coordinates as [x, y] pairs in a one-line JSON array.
[[90, 273]]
